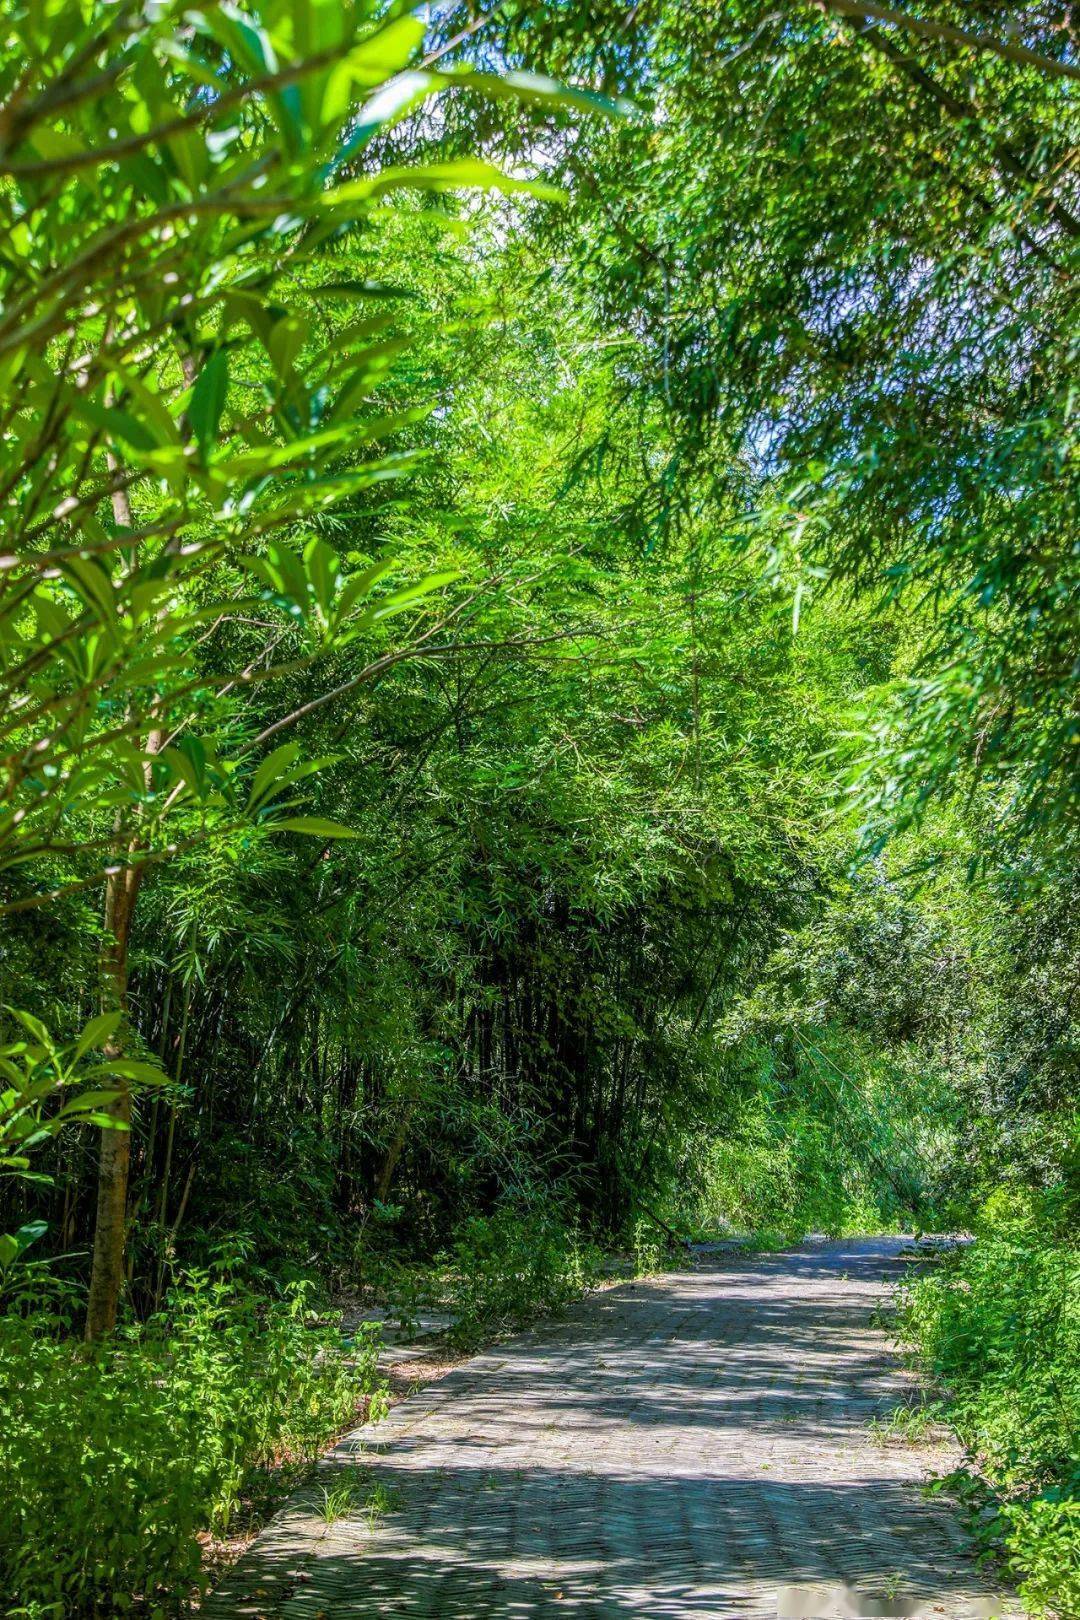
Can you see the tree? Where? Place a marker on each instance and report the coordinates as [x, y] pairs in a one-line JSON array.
[[844, 236], [182, 408]]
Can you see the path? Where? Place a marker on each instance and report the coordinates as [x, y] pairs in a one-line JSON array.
[[691, 1446]]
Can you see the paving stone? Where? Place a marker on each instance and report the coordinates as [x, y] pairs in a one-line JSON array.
[[697, 1445]]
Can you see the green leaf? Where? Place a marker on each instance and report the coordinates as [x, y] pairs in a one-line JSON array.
[[322, 563], [208, 400], [96, 1033], [93, 584], [538, 89], [116, 424], [286, 339], [88, 1102], [32, 1024], [359, 585], [313, 826], [13, 1244], [457, 174], [270, 770], [145, 1074], [155, 413], [180, 765], [370, 64], [396, 601]]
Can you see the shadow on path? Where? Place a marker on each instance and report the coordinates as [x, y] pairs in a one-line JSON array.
[[688, 1447]]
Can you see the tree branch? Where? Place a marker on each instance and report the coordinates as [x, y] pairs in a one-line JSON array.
[[1007, 158], [870, 11]]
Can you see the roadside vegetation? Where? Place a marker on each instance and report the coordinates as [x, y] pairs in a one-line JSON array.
[[539, 607], [999, 1328]]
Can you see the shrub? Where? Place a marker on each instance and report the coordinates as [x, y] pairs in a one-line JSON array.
[[651, 1249], [999, 1325], [1043, 1545], [508, 1268], [113, 1460]]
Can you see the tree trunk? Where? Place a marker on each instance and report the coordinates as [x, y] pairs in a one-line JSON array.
[[114, 1157], [393, 1154]]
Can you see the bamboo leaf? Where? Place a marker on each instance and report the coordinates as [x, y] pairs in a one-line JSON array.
[[313, 826], [96, 1033], [208, 400]]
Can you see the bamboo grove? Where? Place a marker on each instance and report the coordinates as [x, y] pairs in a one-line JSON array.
[[538, 629]]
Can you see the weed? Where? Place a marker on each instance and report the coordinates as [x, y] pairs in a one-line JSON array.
[[914, 1425], [337, 1503], [135, 1448], [506, 1269], [382, 1499]]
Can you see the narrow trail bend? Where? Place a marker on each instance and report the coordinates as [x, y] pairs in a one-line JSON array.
[[697, 1445]]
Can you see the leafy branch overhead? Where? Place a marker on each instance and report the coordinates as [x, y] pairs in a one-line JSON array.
[[186, 398]]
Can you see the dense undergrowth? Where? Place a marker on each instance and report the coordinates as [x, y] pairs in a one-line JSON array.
[[499, 1272], [506, 1269], [998, 1326], [115, 1460]]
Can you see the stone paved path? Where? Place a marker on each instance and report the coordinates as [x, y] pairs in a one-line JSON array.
[[695, 1445]]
